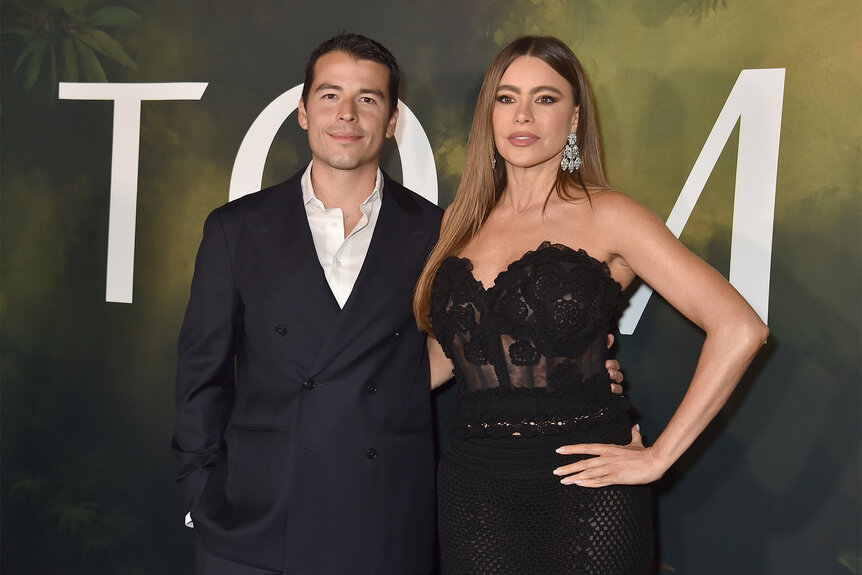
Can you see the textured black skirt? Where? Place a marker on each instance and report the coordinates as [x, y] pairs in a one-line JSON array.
[[503, 512]]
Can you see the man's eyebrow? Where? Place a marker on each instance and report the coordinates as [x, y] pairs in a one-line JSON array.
[[337, 88], [536, 90], [373, 91]]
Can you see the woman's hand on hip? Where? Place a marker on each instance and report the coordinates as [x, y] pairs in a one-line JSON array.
[[631, 464]]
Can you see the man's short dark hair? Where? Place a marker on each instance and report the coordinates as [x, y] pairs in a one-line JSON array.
[[361, 48]]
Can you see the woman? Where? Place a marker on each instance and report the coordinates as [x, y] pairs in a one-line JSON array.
[[544, 473]]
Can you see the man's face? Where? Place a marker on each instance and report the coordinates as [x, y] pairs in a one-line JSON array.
[[347, 112]]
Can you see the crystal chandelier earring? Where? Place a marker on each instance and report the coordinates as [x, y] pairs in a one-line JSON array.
[[571, 155]]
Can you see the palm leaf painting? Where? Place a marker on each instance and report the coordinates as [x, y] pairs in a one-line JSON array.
[[63, 42]]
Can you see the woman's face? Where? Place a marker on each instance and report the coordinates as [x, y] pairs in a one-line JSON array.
[[534, 113]]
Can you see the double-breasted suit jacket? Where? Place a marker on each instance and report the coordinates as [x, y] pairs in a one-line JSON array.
[[303, 430]]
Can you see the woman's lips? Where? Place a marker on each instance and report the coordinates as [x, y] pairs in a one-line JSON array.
[[522, 138]]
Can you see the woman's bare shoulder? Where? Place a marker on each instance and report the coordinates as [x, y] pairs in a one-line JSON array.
[[607, 202], [621, 219], [609, 198]]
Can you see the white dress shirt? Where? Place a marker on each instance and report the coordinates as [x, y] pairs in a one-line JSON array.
[[341, 257]]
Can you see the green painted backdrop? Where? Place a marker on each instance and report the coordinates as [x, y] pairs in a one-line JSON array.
[[772, 487]]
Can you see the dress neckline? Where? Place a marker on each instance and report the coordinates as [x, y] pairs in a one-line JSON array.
[[468, 265]]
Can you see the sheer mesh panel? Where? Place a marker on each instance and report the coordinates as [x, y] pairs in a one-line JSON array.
[[529, 352]]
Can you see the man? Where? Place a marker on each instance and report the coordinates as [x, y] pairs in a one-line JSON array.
[[304, 426]]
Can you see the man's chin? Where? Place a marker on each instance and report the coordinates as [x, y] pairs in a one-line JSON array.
[[346, 163]]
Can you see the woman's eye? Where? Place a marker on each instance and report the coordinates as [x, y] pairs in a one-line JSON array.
[[546, 100], [505, 99]]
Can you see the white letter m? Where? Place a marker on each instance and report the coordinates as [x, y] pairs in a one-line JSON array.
[[756, 99]]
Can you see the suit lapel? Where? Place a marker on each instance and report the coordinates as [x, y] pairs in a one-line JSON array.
[[284, 237], [392, 256]]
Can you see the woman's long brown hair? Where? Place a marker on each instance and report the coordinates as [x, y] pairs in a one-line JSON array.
[[484, 178]]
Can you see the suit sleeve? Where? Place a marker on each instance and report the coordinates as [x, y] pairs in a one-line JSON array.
[[205, 370]]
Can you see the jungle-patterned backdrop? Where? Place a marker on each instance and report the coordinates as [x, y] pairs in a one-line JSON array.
[[87, 377]]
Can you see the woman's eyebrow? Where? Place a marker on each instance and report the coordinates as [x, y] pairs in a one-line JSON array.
[[535, 90]]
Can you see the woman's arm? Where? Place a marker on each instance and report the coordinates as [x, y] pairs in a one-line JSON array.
[[734, 334], [441, 366]]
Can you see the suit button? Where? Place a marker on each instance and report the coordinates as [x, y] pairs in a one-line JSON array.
[[280, 329], [371, 388], [371, 453], [309, 384]]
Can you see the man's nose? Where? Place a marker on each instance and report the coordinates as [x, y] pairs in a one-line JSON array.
[[347, 110]]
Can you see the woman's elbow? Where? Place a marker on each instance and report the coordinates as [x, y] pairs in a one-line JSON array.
[[743, 332], [763, 333], [755, 333]]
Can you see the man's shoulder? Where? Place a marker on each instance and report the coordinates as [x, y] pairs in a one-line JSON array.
[[265, 199], [410, 201]]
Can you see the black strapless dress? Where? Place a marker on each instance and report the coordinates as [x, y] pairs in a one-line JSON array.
[[529, 356]]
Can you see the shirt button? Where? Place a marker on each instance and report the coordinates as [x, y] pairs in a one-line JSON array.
[[333, 224], [338, 263], [371, 453], [309, 384], [371, 388], [280, 329]]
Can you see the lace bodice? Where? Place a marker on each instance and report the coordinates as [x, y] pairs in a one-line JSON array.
[[529, 351]]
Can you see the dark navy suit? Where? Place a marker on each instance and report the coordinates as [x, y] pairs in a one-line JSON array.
[[304, 430]]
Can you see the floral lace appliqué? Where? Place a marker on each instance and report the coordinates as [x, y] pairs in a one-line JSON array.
[[529, 351]]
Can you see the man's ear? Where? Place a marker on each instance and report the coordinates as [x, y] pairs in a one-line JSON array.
[[390, 127], [302, 115]]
